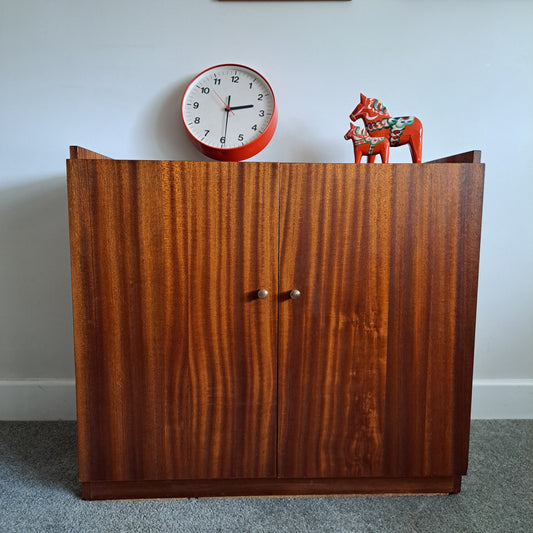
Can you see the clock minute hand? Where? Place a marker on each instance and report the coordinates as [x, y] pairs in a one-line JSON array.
[[228, 109]]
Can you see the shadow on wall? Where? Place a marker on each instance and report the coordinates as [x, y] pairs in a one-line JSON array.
[[35, 294], [160, 131]]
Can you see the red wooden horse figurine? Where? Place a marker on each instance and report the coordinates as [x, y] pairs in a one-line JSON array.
[[399, 130], [363, 144]]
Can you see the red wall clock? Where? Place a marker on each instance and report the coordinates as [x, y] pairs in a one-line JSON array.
[[229, 112]]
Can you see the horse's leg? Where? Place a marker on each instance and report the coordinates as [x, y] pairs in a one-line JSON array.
[[385, 153], [358, 155], [415, 145], [371, 158]]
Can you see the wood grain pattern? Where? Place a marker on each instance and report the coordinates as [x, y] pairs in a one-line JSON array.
[[189, 385], [376, 357], [436, 221], [175, 358], [334, 241]]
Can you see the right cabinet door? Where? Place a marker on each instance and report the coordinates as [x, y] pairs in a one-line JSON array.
[[375, 356]]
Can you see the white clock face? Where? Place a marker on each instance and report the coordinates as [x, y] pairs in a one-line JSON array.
[[227, 106]]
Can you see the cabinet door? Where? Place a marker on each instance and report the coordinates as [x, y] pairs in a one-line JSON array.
[[375, 357], [175, 355]]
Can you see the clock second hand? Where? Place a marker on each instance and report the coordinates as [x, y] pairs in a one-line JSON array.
[[226, 106]]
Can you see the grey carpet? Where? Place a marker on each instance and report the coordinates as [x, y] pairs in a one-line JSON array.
[[39, 492]]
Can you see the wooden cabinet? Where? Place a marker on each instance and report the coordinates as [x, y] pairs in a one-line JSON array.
[[189, 384]]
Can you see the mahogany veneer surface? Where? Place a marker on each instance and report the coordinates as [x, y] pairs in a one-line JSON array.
[[375, 358], [188, 384], [175, 357]]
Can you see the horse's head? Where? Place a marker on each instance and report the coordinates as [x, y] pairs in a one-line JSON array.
[[369, 109], [355, 132], [351, 132]]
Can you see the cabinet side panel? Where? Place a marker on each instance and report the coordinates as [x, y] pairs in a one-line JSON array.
[[434, 263], [473, 156], [80, 201], [335, 234], [472, 184], [77, 152]]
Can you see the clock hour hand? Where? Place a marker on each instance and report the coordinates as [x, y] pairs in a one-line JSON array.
[[241, 107]]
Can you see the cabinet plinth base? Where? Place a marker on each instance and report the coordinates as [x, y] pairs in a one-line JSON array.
[[108, 490]]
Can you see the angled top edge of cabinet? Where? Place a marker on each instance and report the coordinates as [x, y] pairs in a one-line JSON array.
[[473, 156]]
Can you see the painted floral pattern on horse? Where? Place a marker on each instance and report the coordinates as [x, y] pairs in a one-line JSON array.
[[395, 126], [372, 141], [360, 136], [364, 144]]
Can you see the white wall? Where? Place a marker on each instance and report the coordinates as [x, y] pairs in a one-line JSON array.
[[109, 75]]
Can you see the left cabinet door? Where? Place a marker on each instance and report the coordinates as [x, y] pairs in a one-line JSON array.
[[175, 353]]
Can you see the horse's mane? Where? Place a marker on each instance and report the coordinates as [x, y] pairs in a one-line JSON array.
[[379, 107]]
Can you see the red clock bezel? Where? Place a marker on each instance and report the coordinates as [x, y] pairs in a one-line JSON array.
[[236, 153]]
